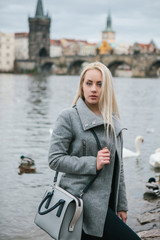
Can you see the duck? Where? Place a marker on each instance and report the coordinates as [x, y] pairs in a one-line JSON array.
[[27, 165], [153, 186], [128, 153], [154, 159]]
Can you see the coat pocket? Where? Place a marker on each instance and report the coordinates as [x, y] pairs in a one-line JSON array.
[[84, 147]]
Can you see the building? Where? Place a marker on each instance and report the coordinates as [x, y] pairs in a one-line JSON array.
[[105, 48], [121, 48], [88, 49], [139, 48], [39, 33], [21, 45], [55, 48], [108, 35], [7, 52], [70, 47]]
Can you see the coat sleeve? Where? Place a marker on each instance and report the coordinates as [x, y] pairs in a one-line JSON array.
[[59, 157], [122, 199]]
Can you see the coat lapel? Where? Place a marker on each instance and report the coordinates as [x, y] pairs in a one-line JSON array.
[[87, 117], [90, 119]]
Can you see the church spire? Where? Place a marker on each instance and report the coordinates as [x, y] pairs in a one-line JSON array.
[[39, 10], [109, 23], [108, 35]]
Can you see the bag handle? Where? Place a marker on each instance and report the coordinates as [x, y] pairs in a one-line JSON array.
[[48, 198], [98, 172]]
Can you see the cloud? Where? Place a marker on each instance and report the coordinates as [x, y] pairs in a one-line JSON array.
[[132, 20]]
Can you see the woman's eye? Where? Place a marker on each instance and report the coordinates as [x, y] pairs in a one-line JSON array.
[[99, 84], [88, 83]]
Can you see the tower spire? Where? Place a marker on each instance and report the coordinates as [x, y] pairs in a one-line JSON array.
[[109, 22], [108, 35], [39, 10]]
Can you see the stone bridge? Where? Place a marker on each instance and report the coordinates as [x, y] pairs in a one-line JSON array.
[[141, 65]]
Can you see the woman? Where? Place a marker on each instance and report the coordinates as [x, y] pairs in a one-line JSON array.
[[73, 151]]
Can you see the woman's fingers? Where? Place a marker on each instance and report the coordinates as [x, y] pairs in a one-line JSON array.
[[103, 157], [105, 160], [105, 154]]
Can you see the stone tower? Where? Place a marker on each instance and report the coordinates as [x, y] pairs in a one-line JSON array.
[[39, 33], [108, 35]]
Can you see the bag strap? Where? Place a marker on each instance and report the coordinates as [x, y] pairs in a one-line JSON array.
[[97, 139], [98, 172]]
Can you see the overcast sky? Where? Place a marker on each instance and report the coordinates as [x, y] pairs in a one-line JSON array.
[[132, 20]]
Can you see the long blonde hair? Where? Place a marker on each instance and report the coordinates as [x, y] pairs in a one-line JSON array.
[[107, 103]]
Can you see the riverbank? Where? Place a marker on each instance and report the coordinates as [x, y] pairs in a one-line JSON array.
[[149, 221]]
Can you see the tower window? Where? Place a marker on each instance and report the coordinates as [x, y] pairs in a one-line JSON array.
[[43, 52]]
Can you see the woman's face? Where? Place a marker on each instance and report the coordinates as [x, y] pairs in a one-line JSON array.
[[92, 87]]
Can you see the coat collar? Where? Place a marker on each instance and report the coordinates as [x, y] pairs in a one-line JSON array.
[[87, 117], [90, 119]]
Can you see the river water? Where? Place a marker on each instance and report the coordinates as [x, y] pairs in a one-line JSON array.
[[29, 106]]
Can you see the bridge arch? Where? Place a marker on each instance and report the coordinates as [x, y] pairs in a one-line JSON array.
[[154, 69], [76, 66], [119, 65], [46, 67]]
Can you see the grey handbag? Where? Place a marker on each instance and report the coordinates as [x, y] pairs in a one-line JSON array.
[[60, 213]]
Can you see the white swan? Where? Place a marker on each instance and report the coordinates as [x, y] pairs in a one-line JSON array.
[[128, 153], [154, 159]]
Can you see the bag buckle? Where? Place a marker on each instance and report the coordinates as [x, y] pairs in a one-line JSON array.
[[81, 194]]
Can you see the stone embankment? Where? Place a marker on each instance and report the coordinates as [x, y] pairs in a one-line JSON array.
[[149, 221]]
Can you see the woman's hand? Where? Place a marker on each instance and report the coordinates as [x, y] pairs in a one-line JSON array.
[[123, 216], [103, 157]]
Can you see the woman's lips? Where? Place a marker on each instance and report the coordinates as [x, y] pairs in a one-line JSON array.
[[93, 96]]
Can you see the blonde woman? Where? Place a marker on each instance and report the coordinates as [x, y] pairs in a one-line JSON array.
[[73, 151]]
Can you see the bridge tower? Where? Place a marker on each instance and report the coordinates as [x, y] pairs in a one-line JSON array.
[[39, 33], [108, 35]]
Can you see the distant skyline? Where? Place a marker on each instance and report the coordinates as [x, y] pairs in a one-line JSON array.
[[133, 21]]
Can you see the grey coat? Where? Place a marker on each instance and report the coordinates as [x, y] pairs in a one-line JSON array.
[[73, 151]]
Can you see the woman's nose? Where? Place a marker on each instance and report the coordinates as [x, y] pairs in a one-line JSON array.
[[93, 89]]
